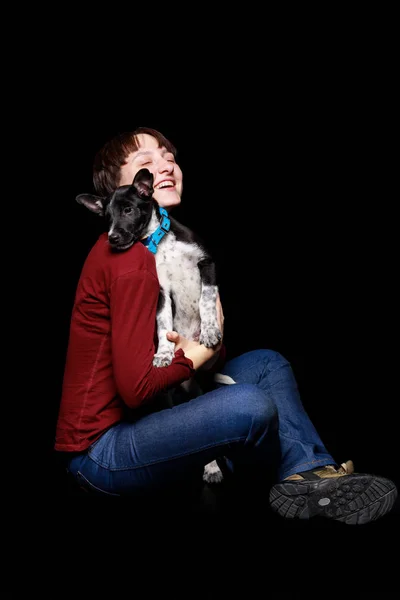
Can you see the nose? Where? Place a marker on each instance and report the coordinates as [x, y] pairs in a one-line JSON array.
[[114, 238], [165, 166]]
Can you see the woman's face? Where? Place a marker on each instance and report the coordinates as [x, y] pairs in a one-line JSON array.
[[161, 163]]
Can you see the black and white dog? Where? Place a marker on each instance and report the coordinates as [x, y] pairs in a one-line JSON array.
[[185, 269]]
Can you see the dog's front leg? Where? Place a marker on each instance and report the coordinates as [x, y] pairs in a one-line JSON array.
[[166, 349], [210, 333]]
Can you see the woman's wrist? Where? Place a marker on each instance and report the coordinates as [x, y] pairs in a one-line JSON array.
[[211, 361], [200, 355]]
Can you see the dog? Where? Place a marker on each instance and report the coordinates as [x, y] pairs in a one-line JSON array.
[[185, 269]]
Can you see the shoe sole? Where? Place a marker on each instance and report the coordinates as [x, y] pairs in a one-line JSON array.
[[352, 499]]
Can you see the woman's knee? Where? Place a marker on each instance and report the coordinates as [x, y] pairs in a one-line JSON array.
[[271, 357], [256, 404]]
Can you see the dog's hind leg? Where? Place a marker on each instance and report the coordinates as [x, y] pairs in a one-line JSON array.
[[212, 473]]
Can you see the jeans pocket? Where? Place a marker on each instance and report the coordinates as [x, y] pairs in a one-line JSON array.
[[89, 487]]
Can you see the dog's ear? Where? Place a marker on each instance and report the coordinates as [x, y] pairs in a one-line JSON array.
[[92, 202], [143, 183]]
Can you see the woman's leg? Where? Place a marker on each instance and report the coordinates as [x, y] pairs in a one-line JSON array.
[[170, 445], [300, 445], [340, 494]]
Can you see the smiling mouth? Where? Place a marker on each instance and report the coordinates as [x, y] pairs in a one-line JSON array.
[[165, 185]]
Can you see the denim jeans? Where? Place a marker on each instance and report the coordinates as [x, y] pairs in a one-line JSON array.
[[255, 422]]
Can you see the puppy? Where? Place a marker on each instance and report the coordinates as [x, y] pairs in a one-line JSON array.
[[185, 269]]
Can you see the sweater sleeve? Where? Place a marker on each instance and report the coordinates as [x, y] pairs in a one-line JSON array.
[[133, 303]]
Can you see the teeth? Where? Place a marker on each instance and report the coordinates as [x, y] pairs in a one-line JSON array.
[[165, 184]]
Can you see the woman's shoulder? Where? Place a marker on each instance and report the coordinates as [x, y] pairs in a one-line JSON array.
[[121, 262]]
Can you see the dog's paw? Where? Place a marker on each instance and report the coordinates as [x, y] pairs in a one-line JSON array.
[[163, 359], [212, 473], [210, 337]]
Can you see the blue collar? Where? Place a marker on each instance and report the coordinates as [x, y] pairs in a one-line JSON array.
[[152, 241]]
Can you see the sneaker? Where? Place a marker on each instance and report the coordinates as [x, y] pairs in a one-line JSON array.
[[338, 494]]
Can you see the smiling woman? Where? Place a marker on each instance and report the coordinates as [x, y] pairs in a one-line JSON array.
[[125, 155], [115, 436]]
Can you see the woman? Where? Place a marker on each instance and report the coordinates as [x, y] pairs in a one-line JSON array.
[[115, 434]]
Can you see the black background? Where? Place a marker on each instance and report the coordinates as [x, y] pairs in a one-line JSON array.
[[293, 202], [288, 154]]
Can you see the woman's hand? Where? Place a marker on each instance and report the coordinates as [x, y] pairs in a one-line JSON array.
[[220, 318], [182, 342], [197, 352]]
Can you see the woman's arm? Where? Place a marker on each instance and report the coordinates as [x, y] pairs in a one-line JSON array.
[[133, 302]]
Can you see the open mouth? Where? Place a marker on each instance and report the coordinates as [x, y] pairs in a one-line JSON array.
[[165, 185]]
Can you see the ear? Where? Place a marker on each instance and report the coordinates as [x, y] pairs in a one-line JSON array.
[[143, 183], [93, 203]]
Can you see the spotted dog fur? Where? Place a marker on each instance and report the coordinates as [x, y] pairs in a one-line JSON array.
[[185, 269], [188, 293]]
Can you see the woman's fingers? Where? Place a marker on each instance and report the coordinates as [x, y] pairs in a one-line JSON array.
[[173, 336]]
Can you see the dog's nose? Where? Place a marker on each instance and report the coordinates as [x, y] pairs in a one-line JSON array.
[[114, 238]]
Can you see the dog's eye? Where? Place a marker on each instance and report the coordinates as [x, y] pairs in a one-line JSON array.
[[128, 210]]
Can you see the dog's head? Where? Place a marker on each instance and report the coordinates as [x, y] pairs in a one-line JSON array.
[[128, 210]]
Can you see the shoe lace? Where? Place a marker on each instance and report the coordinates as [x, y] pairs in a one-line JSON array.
[[346, 468]]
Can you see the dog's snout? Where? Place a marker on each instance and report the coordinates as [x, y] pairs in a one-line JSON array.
[[114, 238]]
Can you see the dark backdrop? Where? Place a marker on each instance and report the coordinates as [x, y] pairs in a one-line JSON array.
[[293, 205], [289, 156]]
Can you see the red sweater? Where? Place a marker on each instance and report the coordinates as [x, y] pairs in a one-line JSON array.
[[111, 345]]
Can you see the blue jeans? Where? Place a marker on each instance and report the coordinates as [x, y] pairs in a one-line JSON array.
[[256, 422]]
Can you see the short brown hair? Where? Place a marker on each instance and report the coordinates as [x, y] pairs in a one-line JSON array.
[[110, 158]]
